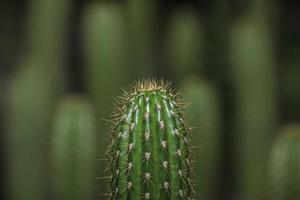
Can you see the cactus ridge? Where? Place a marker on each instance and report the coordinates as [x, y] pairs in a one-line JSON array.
[[149, 152]]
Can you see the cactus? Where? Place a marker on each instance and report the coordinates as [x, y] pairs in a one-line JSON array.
[[32, 95], [28, 127], [150, 151], [103, 42], [204, 114], [285, 165], [254, 81], [73, 150], [103, 30]]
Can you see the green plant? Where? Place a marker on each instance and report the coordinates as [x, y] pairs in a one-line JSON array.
[[103, 31], [254, 84], [33, 93], [73, 150], [150, 151], [28, 125], [285, 165], [204, 115]]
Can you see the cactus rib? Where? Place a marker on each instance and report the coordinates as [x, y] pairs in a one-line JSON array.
[[150, 151]]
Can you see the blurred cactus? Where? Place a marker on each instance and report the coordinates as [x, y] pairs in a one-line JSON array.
[[285, 165], [184, 42], [73, 150], [31, 103], [47, 30], [32, 95], [254, 81], [204, 115], [103, 31]]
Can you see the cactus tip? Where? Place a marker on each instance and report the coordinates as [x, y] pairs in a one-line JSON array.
[[149, 134]]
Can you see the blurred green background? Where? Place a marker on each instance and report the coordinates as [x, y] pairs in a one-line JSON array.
[[64, 62]]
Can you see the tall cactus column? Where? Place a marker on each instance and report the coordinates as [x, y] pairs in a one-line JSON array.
[[204, 114], [73, 158], [32, 95], [254, 80], [284, 180], [103, 31], [150, 152]]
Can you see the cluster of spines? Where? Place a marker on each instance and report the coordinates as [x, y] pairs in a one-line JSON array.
[[149, 152]]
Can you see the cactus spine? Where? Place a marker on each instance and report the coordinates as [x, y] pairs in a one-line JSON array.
[[149, 151], [73, 152], [285, 165]]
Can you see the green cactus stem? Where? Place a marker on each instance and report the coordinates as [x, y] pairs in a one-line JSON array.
[[73, 150], [285, 165], [150, 151], [204, 114], [33, 91], [103, 31], [254, 82]]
